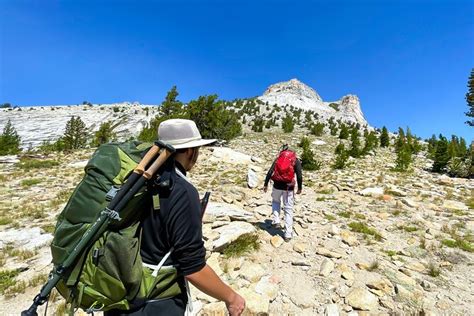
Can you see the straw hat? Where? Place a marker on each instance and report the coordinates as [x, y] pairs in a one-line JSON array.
[[181, 133]]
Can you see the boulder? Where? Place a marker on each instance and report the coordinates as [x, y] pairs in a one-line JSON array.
[[228, 155], [455, 205], [252, 179], [25, 239], [276, 241], [360, 298], [231, 232], [219, 210], [375, 192], [327, 266]]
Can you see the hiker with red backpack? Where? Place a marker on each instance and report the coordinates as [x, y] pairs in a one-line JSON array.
[[282, 172]]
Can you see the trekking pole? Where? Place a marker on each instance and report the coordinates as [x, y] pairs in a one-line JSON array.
[[134, 183]]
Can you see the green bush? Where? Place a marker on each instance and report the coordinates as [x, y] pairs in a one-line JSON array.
[[47, 147], [29, 163], [404, 158], [9, 140], [288, 124], [307, 159], [355, 143], [304, 142], [342, 156], [258, 123], [317, 129], [104, 135], [335, 106], [242, 245], [344, 131]]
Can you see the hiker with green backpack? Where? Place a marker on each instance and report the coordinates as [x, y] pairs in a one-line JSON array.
[[177, 226], [130, 237]]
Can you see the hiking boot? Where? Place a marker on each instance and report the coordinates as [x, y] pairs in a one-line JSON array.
[[287, 239], [276, 225]]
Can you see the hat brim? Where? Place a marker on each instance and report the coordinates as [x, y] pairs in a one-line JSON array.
[[194, 143]]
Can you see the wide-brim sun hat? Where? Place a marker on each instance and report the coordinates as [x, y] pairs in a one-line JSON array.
[[181, 133]]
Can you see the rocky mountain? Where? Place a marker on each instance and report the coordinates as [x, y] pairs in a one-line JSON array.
[[299, 95], [46, 123], [36, 124]]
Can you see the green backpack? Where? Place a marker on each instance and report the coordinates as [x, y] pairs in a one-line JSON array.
[[109, 274]]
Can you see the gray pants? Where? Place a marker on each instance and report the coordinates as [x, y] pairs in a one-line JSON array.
[[288, 198]]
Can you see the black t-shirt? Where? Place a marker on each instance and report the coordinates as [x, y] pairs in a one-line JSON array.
[[177, 224]]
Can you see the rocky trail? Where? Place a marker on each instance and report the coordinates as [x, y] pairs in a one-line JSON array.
[[368, 240]]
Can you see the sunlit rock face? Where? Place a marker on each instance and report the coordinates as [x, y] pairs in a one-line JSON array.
[[297, 94]]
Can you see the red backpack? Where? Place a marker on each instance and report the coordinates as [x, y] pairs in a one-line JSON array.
[[284, 167]]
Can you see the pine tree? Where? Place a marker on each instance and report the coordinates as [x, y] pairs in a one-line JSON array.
[[371, 142], [344, 131], [104, 135], [404, 157], [355, 143], [453, 147], [213, 119], [258, 123], [441, 157], [342, 155], [462, 148], [170, 106], [432, 147], [317, 129], [384, 138], [401, 139], [307, 159], [304, 142], [75, 134], [287, 124], [9, 140], [470, 99]]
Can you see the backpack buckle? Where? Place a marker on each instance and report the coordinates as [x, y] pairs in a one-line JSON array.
[[112, 214], [111, 194]]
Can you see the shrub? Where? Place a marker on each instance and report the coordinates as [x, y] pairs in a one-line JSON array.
[[242, 245], [307, 159], [104, 135], [404, 158], [28, 163], [355, 143], [342, 156], [258, 124], [360, 227], [304, 142], [9, 140], [344, 132], [335, 106], [317, 129], [287, 124]]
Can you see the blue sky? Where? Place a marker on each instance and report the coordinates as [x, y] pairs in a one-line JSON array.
[[408, 61]]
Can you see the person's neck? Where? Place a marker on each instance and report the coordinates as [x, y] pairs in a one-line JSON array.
[[181, 164]]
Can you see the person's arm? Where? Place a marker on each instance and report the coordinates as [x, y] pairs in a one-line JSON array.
[[269, 175], [207, 281], [299, 175]]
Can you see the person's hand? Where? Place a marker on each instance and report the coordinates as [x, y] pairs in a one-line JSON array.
[[235, 305], [265, 188], [299, 191]]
